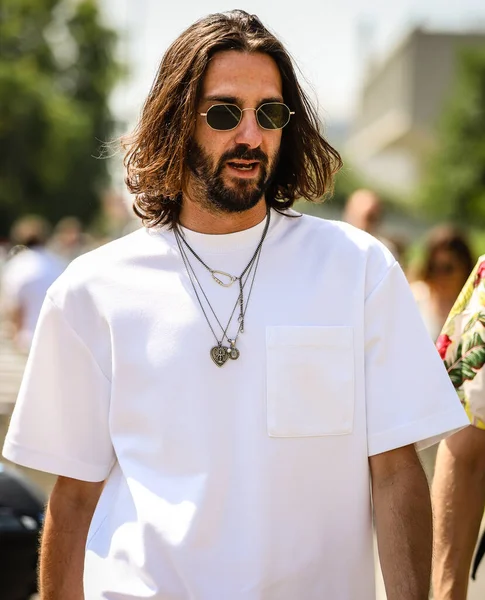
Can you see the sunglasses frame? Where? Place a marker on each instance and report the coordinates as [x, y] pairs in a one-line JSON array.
[[290, 112]]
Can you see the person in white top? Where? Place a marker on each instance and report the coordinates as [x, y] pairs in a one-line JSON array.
[[227, 392], [26, 278]]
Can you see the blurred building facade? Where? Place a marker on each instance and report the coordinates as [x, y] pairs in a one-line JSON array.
[[401, 101]]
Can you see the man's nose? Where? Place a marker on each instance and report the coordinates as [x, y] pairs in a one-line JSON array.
[[248, 131]]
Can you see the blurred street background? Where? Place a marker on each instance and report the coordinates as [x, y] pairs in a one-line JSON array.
[[401, 93]]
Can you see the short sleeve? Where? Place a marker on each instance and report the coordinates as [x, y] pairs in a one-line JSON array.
[[462, 345], [60, 423], [409, 396]]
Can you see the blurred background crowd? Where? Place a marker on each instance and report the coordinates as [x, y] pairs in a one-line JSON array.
[[401, 91]]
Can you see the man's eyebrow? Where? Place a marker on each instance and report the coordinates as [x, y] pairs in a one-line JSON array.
[[238, 101], [272, 99], [227, 99]]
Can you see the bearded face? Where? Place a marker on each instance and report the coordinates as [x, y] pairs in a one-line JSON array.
[[234, 182]]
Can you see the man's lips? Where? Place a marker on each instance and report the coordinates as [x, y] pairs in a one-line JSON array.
[[243, 165]]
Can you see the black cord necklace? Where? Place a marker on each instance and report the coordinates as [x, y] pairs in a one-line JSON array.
[[221, 353], [215, 272], [193, 277]]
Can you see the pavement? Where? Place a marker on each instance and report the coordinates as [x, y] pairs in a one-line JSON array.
[[12, 365]]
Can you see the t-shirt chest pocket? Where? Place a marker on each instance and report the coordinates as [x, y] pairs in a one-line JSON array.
[[309, 381]]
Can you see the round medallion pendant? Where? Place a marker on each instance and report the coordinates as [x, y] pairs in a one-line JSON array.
[[234, 353]]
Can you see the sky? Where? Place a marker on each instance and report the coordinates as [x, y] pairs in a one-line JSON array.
[[331, 42]]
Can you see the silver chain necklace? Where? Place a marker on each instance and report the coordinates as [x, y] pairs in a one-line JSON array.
[[221, 353], [216, 273]]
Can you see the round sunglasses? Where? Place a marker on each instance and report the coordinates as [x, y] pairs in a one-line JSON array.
[[224, 117]]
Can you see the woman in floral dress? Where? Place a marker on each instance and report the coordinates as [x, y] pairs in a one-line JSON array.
[[459, 482]]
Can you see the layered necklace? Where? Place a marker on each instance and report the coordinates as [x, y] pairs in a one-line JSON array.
[[225, 347]]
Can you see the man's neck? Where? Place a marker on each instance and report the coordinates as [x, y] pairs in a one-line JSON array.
[[197, 218]]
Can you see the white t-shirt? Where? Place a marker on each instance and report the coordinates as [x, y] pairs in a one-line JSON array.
[[25, 281], [248, 481]]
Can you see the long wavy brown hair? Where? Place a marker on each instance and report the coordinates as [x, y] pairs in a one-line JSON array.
[[451, 239], [156, 152]]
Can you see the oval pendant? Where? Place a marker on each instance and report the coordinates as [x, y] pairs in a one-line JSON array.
[[230, 278], [234, 353]]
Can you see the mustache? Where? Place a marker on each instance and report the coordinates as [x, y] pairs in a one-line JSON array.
[[244, 153]]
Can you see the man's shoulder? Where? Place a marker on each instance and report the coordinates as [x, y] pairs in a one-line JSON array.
[[340, 234], [349, 250], [97, 267], [114, 253]]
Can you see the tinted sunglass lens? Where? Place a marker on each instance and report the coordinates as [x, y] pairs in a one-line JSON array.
[[273, 115], [223, 116]]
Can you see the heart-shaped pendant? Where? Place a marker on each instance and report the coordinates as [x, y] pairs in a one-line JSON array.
[[219, 354]]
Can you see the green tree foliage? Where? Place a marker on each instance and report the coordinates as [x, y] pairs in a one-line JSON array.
[[56, 74], [454, 186]]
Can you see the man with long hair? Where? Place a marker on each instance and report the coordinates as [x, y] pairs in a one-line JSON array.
[[218, 391]]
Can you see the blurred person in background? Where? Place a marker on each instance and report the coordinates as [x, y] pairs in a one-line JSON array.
[[443, 270], [118, 220], [365, 211], [438, 278], [68, 240], [459, 483], [26, 278]]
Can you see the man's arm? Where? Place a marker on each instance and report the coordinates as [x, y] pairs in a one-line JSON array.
[[458, 501], [402, 512], [69, 513]]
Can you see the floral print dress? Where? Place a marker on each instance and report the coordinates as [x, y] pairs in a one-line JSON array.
[[462, 345]]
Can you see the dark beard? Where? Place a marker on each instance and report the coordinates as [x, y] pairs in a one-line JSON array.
[[209, 183]]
